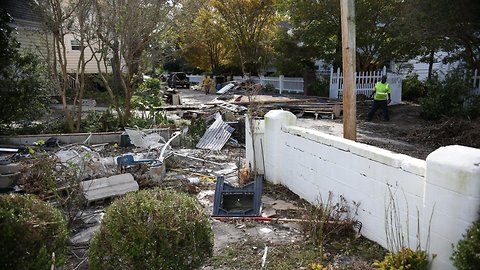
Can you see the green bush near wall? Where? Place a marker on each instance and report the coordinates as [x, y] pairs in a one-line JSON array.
[[152, 229], [31, 231], [466, 254]]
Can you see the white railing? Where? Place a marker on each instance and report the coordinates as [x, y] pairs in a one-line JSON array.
[[365, 81], [281, 83]]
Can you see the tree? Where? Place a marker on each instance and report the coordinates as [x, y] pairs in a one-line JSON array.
[[250, 24], [125, 28], [316, 24], [8, 44], [23, 85], [61, 19], [204, 42], [293, 58], [82, 30], [57, 18], [451, 26]]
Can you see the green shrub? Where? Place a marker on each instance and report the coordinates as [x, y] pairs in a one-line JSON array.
[[269, 88], [46, 177], [472, 107], [152, 229], [24, 89], [319, 87], [404, 259], [105, 121], [148, 95], [412, 88], [466, 254], [27, 127], [196, 129], [446, 98], [30, 232]]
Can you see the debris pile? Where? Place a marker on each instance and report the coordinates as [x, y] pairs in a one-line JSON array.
[[83, 179]]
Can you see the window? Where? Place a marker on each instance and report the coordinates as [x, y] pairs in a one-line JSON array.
[[75, 43]]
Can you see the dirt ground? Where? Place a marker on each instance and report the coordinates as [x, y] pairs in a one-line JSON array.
[[402, 134], [406, 132]]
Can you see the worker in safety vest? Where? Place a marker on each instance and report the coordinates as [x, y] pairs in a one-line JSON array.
[[381, 98], [207, 84]]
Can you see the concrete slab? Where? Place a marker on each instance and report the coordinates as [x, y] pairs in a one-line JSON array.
[[84, 237], [106, 187], [10, 168]]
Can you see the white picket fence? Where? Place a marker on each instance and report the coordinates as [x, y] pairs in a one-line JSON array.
[[365, 81], [281, 83]]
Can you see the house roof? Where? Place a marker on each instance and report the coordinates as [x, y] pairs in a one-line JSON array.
[[22, 11]]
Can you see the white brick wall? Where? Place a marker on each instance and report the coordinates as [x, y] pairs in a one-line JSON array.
[[311, 164]]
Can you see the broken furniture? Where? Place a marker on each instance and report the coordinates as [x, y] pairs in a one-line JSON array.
[[233, 201], [126, 161], [156, 167]]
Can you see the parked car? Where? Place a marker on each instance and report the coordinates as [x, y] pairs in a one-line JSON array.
[[178, 80]]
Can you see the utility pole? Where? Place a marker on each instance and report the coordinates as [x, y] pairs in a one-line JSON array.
[[347, 8]]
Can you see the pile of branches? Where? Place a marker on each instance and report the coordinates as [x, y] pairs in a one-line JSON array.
[[449, 131]]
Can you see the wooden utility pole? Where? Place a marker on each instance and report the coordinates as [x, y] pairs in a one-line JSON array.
[[347, 8]]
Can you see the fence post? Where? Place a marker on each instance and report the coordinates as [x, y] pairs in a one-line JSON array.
[[384, 70], [280, 83], [452, 193], [262, 80], [330, 88], [339, 76]]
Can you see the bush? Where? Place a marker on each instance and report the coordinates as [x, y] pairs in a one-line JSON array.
[[27, 127], [412, 88], [196, 129], [46, 177], [404, 259], [30, 232], [319, 87], [466, 254], [152, 229], [24, 89], [446, 98], [269, 88], [104, 121]]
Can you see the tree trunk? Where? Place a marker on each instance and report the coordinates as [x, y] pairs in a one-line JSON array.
[[431, 61], [309, 77]]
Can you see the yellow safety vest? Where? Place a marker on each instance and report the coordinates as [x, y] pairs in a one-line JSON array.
[[381, 91]]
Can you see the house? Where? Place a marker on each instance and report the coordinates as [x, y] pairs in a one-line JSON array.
[[28, 25], [416, 66], [31, 35]]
